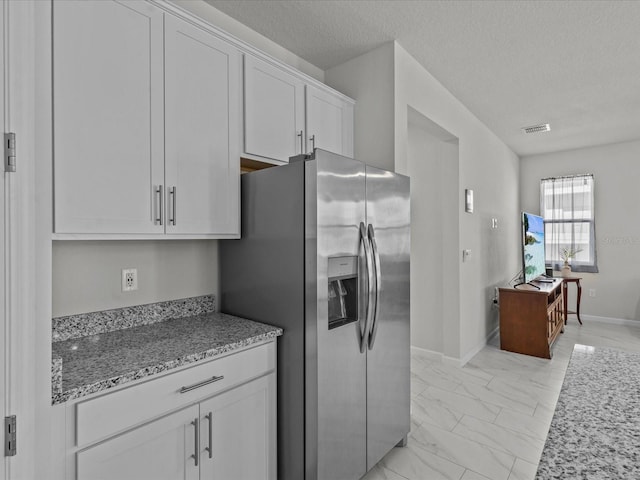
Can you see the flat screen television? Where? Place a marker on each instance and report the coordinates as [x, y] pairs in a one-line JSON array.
[[533, 264]]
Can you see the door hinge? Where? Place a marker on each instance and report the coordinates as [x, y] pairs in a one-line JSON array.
[[10, 446], [9, 152]]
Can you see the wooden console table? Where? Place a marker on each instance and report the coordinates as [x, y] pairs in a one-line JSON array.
[[565, 288], [531, 319]]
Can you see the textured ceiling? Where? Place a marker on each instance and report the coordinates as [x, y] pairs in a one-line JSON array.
[[573, 64]]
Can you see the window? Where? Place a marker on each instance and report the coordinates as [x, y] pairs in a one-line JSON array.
[[567, 205]]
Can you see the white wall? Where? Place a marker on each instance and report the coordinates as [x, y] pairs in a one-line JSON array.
[[616, 171], [368, 79], [87, 274], [485, 164], [488, 167]]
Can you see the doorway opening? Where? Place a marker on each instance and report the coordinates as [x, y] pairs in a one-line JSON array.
[[433, 165]]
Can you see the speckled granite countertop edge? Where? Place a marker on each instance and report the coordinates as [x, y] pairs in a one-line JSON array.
[[59, 396], [104, 342]]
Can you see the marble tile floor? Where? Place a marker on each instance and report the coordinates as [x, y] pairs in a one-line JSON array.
[[489, 419]]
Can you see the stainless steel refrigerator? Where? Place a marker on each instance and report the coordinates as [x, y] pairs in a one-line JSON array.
[[324, 254]]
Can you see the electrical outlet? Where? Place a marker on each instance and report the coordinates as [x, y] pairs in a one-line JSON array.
[[592, 292], [129, 279]]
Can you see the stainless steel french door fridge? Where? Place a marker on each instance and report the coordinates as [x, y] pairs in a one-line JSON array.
[[324, 254]]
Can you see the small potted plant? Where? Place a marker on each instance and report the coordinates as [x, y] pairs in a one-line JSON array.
[[567, 253]]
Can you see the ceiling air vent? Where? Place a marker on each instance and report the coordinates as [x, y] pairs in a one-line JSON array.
[[543, 127]]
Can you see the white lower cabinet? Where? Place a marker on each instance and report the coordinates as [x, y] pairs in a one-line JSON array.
[[158, 450], [236, 435], [220, 431]]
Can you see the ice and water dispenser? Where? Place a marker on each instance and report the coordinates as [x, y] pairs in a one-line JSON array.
[[343, 291]]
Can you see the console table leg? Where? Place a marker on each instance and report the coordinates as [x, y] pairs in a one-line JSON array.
[[564, 300], [578, 305]]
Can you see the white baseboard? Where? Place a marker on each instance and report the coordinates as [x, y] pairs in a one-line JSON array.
[[472, 353], [436, 356], [432, 354], [610, 320], [453, 361]]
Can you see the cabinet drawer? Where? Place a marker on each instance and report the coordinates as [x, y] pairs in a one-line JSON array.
[[114, 412]]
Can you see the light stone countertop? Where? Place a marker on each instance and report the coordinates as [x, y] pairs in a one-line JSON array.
[[97, 362]]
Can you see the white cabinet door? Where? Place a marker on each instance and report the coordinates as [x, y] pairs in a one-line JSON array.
[[238, 433], [160, 450], [108, 121], [329, 122], [274, 111], [202, 104]]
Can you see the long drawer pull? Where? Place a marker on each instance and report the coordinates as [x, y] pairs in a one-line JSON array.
[[201, 384]]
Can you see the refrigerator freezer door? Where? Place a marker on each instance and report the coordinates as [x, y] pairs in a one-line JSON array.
[[335, 207], [388, 357]]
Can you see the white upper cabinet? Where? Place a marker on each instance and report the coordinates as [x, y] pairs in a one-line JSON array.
[[274, 111], [329, 122], [202, 95], [108, 120], [146, 124], [147, 121], [282, 120]]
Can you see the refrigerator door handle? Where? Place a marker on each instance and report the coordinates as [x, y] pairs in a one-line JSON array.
[[376, 262], [364, 329]]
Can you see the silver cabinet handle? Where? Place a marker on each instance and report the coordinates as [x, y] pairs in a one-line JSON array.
[[201, 384], [209, 416], [376, 308], [159, 209], [173, 193], [313, 142], [196, 455], [301, 141], [364, 333]]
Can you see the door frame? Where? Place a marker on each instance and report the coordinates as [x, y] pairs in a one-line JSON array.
[[27, 237], [3, 250]]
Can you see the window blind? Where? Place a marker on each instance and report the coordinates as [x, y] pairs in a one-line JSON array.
[[567, 206]]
